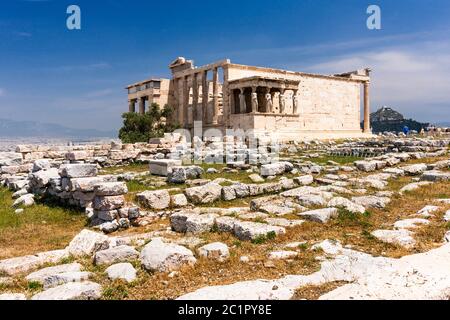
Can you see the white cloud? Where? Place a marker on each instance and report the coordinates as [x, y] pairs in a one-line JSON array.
[[2, 92], [415, 79]]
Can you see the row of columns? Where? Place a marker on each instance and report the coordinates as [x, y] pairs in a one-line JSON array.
[[268, 100], [194, 81], [132, 105]]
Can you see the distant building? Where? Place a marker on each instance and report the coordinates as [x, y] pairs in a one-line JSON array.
[[292, 105]]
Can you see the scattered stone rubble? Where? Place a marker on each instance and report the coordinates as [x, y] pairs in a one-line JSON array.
[[305, 191]]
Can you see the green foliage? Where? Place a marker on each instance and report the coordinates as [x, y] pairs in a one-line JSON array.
[[264, 237], [116, 291], [141, 127], [34, 285]]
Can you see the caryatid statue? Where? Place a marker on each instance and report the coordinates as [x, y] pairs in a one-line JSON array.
[[282, 98], [269, 105], [254, 102], [242, 106], [295, 103]]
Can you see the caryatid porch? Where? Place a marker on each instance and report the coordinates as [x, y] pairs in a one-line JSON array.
[[263, 95]]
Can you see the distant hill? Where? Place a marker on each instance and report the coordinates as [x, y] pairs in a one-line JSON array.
[[387, 119], [12, 128], [443, 124]]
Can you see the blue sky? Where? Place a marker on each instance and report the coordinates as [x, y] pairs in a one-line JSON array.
[[77, 78]]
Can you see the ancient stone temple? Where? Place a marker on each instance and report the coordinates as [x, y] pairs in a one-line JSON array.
[[291, 105]]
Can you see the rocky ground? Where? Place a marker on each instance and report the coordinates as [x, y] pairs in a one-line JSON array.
[[328, 220]]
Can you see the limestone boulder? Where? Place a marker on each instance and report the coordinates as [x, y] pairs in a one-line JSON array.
[[372, 201], [78, 170], [71, 291], [116, 254], [57, 279], [400, 237], [340, 202], [273, 169], [87, 242], [124, 271], [253, 230], [40, 275], [157, 200], [158, 256], [207, 193], [216, 251], [410, 223], [414, 169], [108, 202], [435, 176], [25, 200], [178, 200], [320, 215], [110, 189]]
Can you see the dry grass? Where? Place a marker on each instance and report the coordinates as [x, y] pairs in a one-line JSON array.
[[314, 292], [40, 228]]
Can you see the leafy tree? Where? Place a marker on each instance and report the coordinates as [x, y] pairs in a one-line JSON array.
[[141, 127]]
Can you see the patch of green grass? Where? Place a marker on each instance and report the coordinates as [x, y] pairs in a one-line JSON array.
[[134, 167], [263, 238], [43, 226], [47, 212], [34, 285], [116, 291], [136, 186], [347, 218]]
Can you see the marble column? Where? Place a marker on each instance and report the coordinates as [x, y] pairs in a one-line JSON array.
[[242, 105], [132, 105], [254, 100], [185, 100], [366, 107], [205, 97], [195, 113], [215, 95], [180, 100], [142, 105]]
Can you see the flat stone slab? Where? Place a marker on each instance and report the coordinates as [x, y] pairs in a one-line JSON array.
[[410, 223], [65, 277], [116, 254], [40, 275], [320, 215], [71, 291], [282, 255], [372, 201], [78, 170], [340, 202], [400, 237], [163, 167], [435, 175], [252, 230], [24, 264], [110, 189]]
